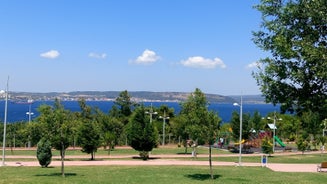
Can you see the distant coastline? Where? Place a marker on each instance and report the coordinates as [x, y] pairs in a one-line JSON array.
[[138, 96]]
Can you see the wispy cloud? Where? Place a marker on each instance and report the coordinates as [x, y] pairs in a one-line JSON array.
[[97, 56], [52, 54], [147, 57], [255, 64], [201, 62]]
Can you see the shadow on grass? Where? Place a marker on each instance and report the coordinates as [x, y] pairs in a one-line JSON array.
[[150, 158], [57, 174], [88, 159], [202, 177], [183, 153]]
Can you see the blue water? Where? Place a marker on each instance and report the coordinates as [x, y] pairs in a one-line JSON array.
[[17, 112]]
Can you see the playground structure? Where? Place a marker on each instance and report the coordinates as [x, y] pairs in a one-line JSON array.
[[255, 139], [279, 141]]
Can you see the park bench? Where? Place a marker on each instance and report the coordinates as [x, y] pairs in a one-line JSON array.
[[322, 166]]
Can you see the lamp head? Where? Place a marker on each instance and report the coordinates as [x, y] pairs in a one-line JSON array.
[[236, 104]]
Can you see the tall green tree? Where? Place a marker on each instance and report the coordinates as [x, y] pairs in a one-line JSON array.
[[142, 135], [110, 129], [289, 127], [295, 73], [312, 123], [200, 125], [89, 132], [192, 111], [256, 122], [125, 104], [56, 123], [247, 125]]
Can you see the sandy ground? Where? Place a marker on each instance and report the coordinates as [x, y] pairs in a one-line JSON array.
[[163, 160]]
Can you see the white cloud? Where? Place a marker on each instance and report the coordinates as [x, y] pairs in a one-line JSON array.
[[201, 62], [97, 56], [147, 57], [255, 64], [52, 54]]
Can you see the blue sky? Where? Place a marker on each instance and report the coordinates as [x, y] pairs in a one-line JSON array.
[[134, 45]]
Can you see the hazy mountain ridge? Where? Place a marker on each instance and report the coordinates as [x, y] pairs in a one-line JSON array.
[[139, 96]]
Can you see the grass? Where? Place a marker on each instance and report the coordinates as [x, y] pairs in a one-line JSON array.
[[162, 174], [218, 155], [286, 159], [121, 151], [154, 174]]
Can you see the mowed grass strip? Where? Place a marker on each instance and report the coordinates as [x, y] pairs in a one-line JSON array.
[[167, 150], [286, 159], [217, 155], [154, 174]]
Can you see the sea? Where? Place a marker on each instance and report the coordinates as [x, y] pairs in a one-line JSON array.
[[19, 112]]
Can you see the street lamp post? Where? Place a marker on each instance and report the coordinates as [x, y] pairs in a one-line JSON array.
[[29, 113], [163, 127], [274, 129], [4, 126], [240, 138], [151, 112]]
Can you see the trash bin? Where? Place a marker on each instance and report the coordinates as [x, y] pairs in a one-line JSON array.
[[264, 160]]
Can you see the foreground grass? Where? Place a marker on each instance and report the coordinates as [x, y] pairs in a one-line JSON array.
[[154, 174]]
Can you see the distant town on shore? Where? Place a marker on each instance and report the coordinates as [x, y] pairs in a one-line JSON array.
[[138, 96]]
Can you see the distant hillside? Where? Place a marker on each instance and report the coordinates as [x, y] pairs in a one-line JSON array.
[[112, 95], [249, 99]]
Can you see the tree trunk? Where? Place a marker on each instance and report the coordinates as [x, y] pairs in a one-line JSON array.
[[62, 154], [109, 148], [210, 162], [92, 155]]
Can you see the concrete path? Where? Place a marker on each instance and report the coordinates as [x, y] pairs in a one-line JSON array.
[[171, 162]]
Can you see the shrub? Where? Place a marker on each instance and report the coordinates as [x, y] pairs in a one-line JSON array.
[[44, 153], [302, 144], [267, 146]]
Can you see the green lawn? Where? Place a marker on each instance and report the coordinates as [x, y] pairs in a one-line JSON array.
[[218, 155], [163, 174], [123, 151], [304, 159], [154, 174]]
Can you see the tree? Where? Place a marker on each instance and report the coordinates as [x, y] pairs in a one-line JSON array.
[[89, 137], [302, 144], [142, 135], [43, 152], [256, 123], [56, 122], [122, 110], [311, 122], [193, 110], [210, 132], [295, 73], [289, 127], [246, 125], [125, 103], [200, 124], [110, 129], [89, 132]]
